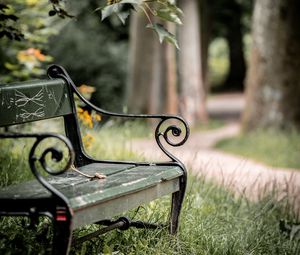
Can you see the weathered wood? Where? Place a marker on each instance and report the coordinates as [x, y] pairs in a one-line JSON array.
[[122, 203], [125, 187], [33, 189], [120, 184], [35, 100]]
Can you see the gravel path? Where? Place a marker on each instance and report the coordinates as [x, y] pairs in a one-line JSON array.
[[240, 174]]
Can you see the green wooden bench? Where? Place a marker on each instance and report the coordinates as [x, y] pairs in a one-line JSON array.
[[66, 195]]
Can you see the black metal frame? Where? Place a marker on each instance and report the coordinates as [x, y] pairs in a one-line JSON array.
[[73, 133], [57, 207]]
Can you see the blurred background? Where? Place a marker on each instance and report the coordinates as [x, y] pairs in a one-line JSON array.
[[235, 78]]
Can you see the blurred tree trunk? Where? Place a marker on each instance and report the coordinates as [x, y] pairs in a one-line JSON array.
[[234, 36], [206, 30], [171, 74], [273, 83], [145, 92], [193, 105]]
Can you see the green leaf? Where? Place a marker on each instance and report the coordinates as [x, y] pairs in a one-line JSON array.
[[121, 9], [10, 66], [168, 15], [171, 5], [163, 34], [109, 10], [173, 8], [107, 250], [123, 16]]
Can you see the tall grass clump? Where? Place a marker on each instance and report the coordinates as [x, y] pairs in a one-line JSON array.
[[14, 162], [273, 147]]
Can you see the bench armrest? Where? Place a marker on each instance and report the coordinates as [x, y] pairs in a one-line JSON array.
[[56, 155], [180, 130]]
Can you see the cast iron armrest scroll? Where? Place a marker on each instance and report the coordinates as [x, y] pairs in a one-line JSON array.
[[56, 156], [56, 71]]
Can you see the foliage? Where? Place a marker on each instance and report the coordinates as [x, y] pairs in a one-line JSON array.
[[218, 61], [165, 10], [163, 34], [94, 53], [273, 147], [58, 9], [7, 22], [26, 58], [86, 118]]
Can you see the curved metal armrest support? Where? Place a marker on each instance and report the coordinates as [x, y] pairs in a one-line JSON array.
[[56, 156], [56, 71]]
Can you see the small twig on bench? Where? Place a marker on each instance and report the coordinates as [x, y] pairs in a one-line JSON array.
[[95, 176]]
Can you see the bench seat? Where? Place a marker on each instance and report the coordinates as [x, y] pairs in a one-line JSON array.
[[98, 198]]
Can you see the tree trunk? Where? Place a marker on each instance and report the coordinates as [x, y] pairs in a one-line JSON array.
[[193, 106], [273, 83], [205, 34], [234, 36], [171, 74], [146, 69]]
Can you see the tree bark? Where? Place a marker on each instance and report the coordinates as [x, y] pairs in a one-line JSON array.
[[171, 74], [145, 91], [205, 34], [273, 84], [193, 106], [234, 36]]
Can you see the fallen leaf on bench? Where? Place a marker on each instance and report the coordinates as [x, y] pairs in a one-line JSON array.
[[99, 176]]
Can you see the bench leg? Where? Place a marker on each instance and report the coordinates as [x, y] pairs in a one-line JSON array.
[[177, 199], [62, 235]]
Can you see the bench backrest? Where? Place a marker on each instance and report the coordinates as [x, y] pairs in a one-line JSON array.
[[24, 102], [35, 100]]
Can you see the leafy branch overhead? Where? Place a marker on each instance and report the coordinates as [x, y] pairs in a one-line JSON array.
[[165, 10], [7, 24]]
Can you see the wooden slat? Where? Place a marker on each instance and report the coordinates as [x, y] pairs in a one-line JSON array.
[[120, 184], [125, 187], [33, 189], [81, 192], [34, 100], [113, 207]]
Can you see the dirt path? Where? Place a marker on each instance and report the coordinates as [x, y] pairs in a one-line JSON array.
[[242, 175]]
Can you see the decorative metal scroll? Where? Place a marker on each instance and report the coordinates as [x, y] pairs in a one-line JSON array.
[[56, 155], [173, 130], [56, 71]]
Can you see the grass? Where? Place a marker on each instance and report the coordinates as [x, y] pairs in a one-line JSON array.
[[213, 220], [272, 147], [14, 163]]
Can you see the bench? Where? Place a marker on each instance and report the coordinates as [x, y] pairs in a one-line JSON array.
[[66, 195]]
